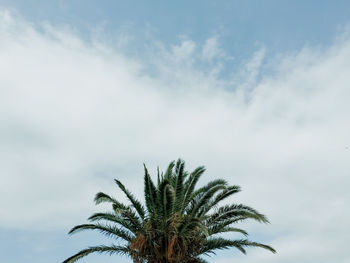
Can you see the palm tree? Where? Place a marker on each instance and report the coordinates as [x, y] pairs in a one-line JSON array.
[[178, 223]]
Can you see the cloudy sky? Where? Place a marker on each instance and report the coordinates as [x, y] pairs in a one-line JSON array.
[[257, 91]]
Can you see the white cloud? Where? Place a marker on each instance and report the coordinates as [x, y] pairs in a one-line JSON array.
[[184, 50], [74, 115], [211, 49]]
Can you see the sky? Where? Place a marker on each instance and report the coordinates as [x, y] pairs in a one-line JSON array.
[[257, 91]]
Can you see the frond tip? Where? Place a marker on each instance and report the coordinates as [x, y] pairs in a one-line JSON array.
[[219, 243], [98, 249], [110, 231]]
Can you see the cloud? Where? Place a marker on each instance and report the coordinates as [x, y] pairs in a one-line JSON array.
[[211, 49], [75, 114]]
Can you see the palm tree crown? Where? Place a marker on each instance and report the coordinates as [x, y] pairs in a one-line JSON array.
[[178, 223]]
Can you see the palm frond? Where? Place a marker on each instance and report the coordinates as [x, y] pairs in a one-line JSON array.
[[123, 250], [150, 193], [219, 228], [169, 172], [210, 185], [192, 225], [161, 207], [249, 243], [130, 216], [179, 186], [137, 205], [190, 186], [225, 193], [168, 201], [112, 217], [104, 198], [219, 243], [206, 196], [234, 212], [107, 230]]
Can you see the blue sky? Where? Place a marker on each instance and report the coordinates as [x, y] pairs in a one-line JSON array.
[[242, 26], [257, 91]]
